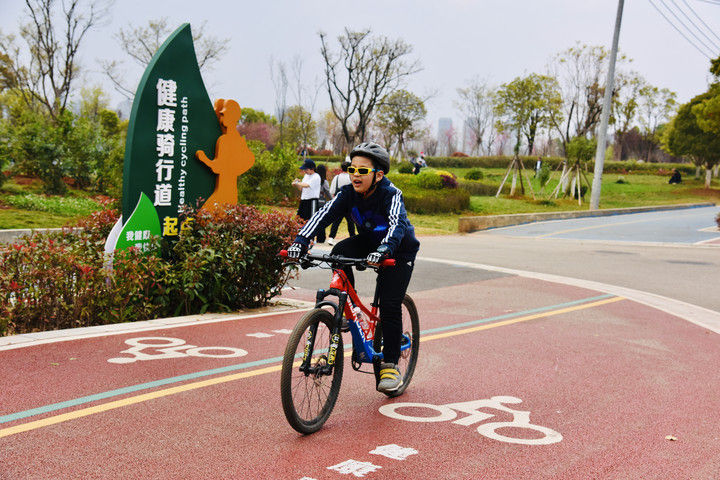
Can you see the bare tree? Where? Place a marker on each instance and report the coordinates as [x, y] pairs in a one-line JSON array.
[[625, 107], [331, 133], [429, 143], [360, 74], [141, 43], [279, 77], [53, 40], [476, 104], [306, 98], [580, 71]]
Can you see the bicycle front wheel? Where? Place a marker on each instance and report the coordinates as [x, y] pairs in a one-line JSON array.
[[309, 386], [411, 339]]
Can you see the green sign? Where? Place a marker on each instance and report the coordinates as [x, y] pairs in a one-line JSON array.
[[172, 118]]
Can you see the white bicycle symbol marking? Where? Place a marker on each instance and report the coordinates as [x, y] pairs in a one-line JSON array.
[[490, 430], [171, 348]]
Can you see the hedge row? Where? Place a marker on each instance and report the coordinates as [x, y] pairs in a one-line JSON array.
[[224, 262], [436, 201], [623, 167], [503, 161]]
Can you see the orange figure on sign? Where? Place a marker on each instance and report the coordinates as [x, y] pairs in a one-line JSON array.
[[232, 156]]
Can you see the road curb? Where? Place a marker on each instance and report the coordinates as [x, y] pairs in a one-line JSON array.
[[284, 305], [474, 224]]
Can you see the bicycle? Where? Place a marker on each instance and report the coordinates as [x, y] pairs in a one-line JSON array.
[[313, 362]]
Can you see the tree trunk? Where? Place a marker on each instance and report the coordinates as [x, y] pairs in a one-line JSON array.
[[708, 177]]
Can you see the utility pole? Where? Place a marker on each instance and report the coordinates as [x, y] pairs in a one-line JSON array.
[[607, 104]]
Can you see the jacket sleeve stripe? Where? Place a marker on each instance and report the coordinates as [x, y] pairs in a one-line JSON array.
[[394, 216], [309, 228]]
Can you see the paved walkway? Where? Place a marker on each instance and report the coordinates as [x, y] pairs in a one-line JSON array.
[[523, 373]]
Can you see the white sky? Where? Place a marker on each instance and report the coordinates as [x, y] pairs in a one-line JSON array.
[[454, 40]]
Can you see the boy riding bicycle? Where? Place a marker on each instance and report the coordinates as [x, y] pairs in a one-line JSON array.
[[378, 210]]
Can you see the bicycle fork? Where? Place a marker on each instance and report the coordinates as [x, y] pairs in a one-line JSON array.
[[324, 368]]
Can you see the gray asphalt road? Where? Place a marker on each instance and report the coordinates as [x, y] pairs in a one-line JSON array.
[[426, 276], [668, 261], [688, 226]]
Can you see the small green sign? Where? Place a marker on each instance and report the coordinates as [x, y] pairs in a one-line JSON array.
[[172, 117], [141, 226]]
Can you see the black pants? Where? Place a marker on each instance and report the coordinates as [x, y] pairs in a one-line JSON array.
[[336, 224], [392, 282]]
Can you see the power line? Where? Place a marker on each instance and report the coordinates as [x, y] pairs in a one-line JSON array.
[[701, 20], [678, 30], [688, 29], [692, 22]]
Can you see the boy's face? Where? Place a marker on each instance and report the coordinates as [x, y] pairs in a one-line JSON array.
[[362, 183]]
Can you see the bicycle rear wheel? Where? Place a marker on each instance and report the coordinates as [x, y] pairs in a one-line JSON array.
[[408, 357], [309, 396]]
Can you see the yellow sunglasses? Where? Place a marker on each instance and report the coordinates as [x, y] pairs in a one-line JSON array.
[[361, 171]]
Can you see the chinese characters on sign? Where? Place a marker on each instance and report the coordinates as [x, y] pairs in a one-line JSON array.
[[166, 160]]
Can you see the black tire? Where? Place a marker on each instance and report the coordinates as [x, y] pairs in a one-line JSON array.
[[308, 399], [408, 358]]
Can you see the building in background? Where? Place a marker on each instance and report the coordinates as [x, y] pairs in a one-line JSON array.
[[446, 136]]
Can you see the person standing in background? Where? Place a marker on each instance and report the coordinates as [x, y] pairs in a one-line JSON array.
[[309, 188]]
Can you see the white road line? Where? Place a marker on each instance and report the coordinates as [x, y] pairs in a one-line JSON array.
[[31, 339], [700, 316]]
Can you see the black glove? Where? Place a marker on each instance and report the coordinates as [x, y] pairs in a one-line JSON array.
[[382, 252], [296, 250]]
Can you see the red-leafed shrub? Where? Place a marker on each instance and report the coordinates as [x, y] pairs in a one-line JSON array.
[[459, 154], [449, 181], [224, 262]]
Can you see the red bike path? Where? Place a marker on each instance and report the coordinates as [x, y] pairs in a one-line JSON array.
[[627, 391]]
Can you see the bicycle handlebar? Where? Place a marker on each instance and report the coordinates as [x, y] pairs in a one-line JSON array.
[[388, 262]]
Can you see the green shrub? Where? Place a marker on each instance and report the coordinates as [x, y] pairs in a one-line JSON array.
[[405, 167], [501, 161], [497, 161], [225, 262], [429, 180], [269, 181], [474, 174], [544, 174], [477, 188], [436, 201]]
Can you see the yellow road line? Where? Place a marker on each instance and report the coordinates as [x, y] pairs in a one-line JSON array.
[[84, 412]]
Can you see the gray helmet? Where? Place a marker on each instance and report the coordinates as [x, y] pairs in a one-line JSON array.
[[374, 152]]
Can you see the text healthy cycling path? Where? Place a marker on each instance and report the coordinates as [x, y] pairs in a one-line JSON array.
[[517, 378]]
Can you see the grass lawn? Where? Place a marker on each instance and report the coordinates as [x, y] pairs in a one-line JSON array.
[[22, 205], [20, 210]]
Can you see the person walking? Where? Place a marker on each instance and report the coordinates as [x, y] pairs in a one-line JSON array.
[[339, 181]]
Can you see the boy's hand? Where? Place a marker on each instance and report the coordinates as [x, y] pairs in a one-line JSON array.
[[296, 250], [378, 255]]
